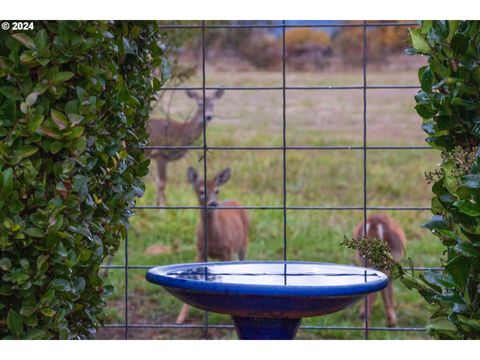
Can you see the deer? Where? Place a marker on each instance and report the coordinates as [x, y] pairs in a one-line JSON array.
[[165, 132], [226, 229], [382, 227]]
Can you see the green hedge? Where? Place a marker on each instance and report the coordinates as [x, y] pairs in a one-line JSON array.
[[449, 103], [74, 99]]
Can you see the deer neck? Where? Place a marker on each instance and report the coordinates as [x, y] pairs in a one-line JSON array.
[[208, 220], [194, 128]]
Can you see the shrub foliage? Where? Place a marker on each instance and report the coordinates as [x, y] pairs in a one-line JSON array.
[[74, 99], [449, 103]]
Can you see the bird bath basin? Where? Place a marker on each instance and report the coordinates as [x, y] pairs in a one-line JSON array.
[[268, 299]]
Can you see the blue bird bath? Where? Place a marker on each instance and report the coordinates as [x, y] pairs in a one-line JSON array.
[[268, 299]]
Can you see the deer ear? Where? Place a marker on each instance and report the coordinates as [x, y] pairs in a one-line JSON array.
[[219, 93], [192, 176], [223, 177], [192, 94]]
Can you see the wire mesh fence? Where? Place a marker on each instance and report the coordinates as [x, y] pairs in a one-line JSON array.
[[205, 149]]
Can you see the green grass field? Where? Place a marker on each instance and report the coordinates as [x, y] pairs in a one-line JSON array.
[[314, 177]]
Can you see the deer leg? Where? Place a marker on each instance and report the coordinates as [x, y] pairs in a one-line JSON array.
[[182, 316], [387, 295], [371, 300], [242, 254], [161, 181]]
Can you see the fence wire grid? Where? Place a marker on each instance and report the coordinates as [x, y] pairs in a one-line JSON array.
[[203, 26]]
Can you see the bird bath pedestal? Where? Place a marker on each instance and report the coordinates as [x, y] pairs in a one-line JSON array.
[[268, 299]]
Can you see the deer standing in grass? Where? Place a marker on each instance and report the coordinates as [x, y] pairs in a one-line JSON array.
[[382, 227], [227, 229], [164, 132]]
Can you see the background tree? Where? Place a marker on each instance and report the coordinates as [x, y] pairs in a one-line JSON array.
[[382, 41]]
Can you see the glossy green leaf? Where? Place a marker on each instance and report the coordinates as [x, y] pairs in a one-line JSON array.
[[34, 232], [56, 146], [35, 334], [474, 324], [439, 69], [467, 207], [437, 222], [25, 40], [48, 312], [60, 119], [41, 40], [49, 132], [24, 263], [60, 285], [459, 43], [63, 76], [444, 327], [75, 132], [5, 264], [26, 151], [467, 249], [81, 93], [426, 26], [24, 108], [48, 298], [28, 57], [31, 99], [15, 323], [427, 80], [7, 185], [11, 92], [418, 41], [41, 87], [425, 111], [27, 310], [458, 269], [454, 25], [41, 262], [79, 145], [75, 118]]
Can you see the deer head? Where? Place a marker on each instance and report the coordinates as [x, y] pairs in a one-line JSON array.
[[208, 195], [208, 104]]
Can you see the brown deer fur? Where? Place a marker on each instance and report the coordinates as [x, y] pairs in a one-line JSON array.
[[227, 229], [384, 227], [165, 132]]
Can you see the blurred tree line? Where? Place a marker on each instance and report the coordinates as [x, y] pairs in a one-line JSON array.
[[307, 48]]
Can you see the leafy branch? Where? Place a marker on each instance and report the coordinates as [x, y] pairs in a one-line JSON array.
[[449, 103]]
